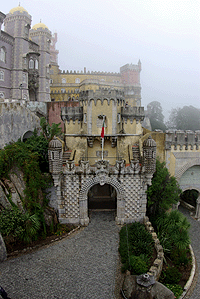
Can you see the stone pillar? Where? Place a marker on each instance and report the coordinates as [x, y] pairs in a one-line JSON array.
[[84, 219], [120, 210]]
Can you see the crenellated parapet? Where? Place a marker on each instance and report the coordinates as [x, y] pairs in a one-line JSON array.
[[178, 138], [102, 94], [72, 113], [132, 113]]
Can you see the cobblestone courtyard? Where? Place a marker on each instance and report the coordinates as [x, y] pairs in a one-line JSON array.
[[81, 266]]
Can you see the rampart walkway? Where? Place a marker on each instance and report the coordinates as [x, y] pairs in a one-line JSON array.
[[79, 267]]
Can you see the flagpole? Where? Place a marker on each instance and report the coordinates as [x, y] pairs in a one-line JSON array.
[[102, 136]]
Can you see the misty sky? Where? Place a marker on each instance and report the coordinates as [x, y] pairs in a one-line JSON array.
[[103, 35]]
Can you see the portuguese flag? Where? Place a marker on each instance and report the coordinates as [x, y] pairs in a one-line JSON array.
[[102, 130]]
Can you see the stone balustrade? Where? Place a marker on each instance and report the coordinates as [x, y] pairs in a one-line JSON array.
[[188, 139]]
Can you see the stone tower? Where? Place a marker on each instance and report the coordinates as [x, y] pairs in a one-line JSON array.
[[41, 35], [17, 24]]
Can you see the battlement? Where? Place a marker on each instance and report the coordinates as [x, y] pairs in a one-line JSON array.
[[132, 113], [74, 113], [89, 72], [102, 94], [182, 138]]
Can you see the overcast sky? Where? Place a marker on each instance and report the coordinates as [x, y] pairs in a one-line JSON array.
[[103, 35]]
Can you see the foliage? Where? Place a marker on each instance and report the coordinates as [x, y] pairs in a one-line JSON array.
[[50, 131], [186, 118], [154, 112], [138, 265], [172, 229], [21, 226], [39, 144], [18, 154], [172, 275], [163, 192], [176, 289], [135, 241]]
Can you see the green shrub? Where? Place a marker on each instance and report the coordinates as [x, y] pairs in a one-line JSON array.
[[176, 289], [139, 244], [19, 226], [172, 275], [138, 265]]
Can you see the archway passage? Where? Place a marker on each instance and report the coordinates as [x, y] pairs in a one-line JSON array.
[[102, 197], [190, 197]]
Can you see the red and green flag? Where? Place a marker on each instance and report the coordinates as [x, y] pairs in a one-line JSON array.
[[102, 130]]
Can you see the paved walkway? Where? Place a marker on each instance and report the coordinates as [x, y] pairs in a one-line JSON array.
[[82, 266], [195, 242]]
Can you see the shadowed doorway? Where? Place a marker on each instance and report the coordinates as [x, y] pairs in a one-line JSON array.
[[102, 197]]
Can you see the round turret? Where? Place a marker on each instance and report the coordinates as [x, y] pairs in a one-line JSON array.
[[55, 156], [19, 9], [40, 26]]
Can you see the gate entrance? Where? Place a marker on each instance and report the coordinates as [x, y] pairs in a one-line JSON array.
[[102, 197]]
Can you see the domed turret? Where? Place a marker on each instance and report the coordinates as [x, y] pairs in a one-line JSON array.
[[55, 156], [149, 155], [18, 9], [40, 25]]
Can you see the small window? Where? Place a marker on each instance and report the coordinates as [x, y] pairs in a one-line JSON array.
[[3, 54], [63, 80], [51, 81], [2, 95], [62, 90], [1, 75], [118, 118], [31, 64], [77, 80], [36, 64], [76, 90]]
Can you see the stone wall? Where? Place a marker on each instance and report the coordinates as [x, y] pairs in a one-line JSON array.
[[15, 120]]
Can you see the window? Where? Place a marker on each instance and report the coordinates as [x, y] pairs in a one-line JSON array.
[[36, 64], [2, 95], [3, 54], [63, 80], [31, 64], [1, 75], [51, 81], [77, 80], [62, 90]]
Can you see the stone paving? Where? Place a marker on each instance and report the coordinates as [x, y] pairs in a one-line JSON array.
[[82, 266], [195, 242]]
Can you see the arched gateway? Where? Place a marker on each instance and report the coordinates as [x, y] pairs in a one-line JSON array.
[[102, 180], [130, 182]]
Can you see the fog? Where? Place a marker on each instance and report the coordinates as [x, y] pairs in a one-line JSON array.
[[104, 35]]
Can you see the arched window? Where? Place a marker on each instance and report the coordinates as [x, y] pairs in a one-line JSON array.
[[31, 64], [63, 80], [24, 77], [1, 75], [36, 64], [3, 54], [77, 80]]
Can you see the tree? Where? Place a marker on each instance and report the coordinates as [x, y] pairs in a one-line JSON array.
[[186, 118], [50, 131], [163, 192], [154, 112]]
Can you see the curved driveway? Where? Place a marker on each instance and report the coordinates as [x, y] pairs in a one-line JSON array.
[[81, 266]]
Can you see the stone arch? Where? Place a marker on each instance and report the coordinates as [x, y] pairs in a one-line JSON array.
[[26, 135], [83, 198], [182, 169]]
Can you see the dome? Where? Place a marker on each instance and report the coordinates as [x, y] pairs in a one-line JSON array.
[[149, 142], [40, 25], [18, 9], [55, 143]]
